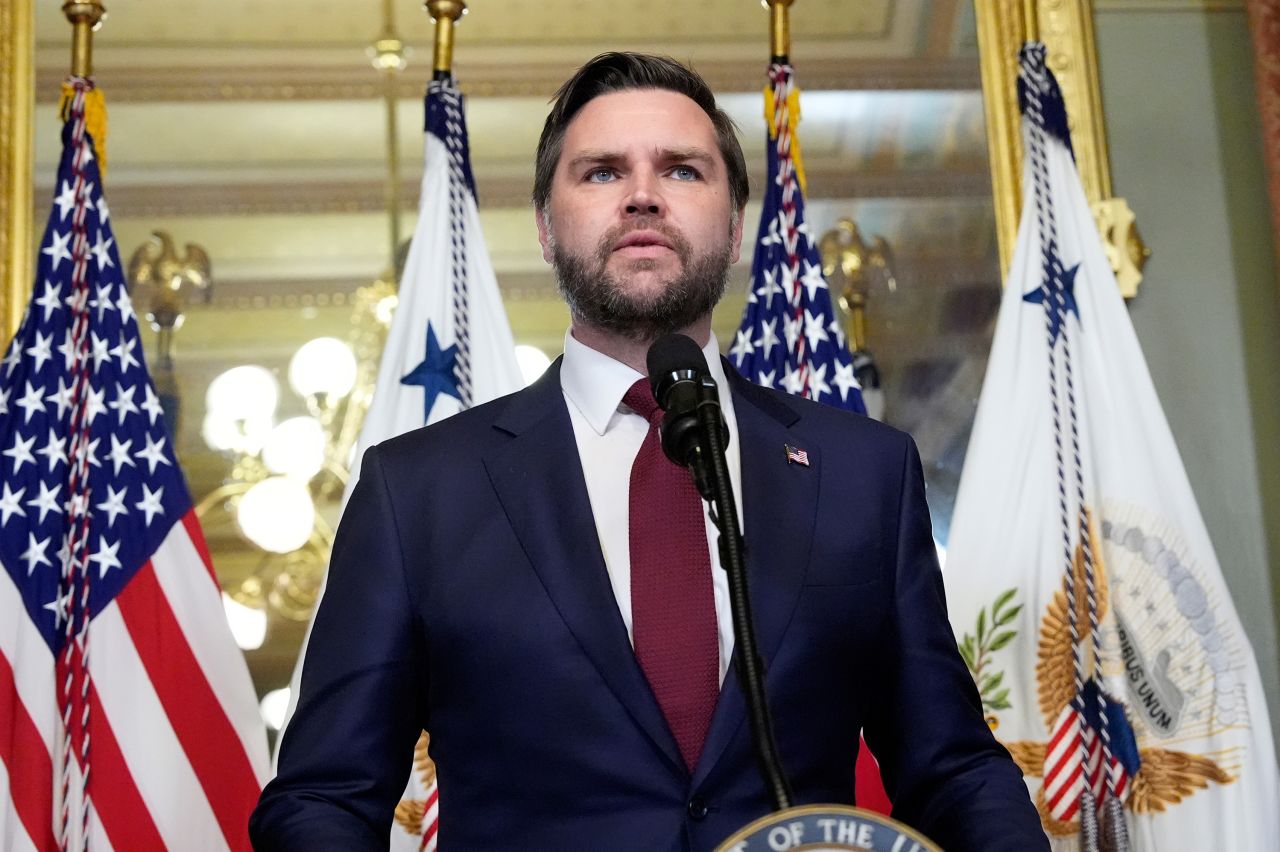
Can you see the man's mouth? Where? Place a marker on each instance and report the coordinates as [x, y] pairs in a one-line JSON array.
[[642, 243]]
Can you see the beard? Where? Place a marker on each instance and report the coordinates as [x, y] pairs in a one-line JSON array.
[[597, 297]]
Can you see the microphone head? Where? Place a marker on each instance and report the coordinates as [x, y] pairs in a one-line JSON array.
[[671, 358]]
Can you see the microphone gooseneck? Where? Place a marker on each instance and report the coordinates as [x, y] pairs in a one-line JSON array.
[[694, 434]]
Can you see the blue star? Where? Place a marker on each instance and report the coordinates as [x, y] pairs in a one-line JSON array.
[[1067, 283], [435, 373]]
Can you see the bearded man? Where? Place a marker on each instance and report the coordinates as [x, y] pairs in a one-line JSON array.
[[511, 580]]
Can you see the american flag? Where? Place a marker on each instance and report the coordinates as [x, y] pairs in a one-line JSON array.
[[790, 337], [127, 717]]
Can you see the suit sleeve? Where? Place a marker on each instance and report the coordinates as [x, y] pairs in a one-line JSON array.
[[944, 771], [348, 750]]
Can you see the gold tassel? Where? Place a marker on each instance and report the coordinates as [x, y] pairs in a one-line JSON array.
[[793, 121], [95, 120]]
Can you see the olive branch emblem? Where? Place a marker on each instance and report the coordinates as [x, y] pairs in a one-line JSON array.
[[978, 648]]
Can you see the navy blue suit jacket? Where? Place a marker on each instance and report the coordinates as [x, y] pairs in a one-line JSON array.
[[468, 595]]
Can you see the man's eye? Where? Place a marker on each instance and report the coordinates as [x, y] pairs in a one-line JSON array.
[[601, 175], [685, 173]]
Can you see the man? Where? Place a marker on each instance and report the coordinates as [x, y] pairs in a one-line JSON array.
[[502, 578]]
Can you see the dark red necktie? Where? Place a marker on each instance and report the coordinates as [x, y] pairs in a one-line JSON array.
[[673, 609]]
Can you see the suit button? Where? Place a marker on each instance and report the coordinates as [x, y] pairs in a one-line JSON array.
[[698, 808]]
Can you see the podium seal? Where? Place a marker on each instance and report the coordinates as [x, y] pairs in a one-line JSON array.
[[826, 828]]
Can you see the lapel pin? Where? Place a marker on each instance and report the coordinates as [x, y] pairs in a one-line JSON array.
[[795, 455]]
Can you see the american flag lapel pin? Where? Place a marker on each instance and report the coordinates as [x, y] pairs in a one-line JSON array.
[[795, 455]]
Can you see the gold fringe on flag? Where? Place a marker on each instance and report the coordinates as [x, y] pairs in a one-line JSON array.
[[95, 120], [793, 121]]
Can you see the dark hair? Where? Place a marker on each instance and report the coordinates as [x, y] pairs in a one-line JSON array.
[[622, 71]]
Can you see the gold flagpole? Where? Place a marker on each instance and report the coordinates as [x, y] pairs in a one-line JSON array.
[[780, 29], [389, 58], [17, 143], [445, 13], [85, 17]]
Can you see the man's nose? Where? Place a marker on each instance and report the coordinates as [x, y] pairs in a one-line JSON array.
[[644, 197]]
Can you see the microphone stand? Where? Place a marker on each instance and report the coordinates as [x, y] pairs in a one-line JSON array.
[[711, 474]]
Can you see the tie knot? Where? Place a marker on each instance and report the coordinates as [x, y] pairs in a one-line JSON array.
[[639, 398]]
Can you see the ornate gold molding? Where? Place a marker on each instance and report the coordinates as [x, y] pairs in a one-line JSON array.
[[1066, 28], [17, 106], [351, 81]]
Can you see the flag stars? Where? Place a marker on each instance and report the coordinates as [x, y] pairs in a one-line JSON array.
[[100, 351], [768, 336], [79, 505], [125, 305], [10, 504], [818, 382], [11, 358], [104, 214], [813, 280], [119, 454], [59, 606], [102, 251], [151, 404], [814, 330], [114, 504], [50, 299], [66, 200], [4, 401], [845, 380], [768, 379], [742, 346], [102, 302], [106, 556], [58, 249], [34, 555], [792, 381], [20, 452], [61, 397], [47, 501], [95, 405], [768, 289], [54, 450], [123, 353], [68, 350], [150, 502], [154, 454], [31, 402], [123, 404], [41, 350], [791, 331]]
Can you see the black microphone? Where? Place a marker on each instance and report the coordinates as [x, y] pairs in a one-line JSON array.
[[681, 383]]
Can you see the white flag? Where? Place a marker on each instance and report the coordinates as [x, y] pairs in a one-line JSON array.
[[449, 348], [1073, 491]]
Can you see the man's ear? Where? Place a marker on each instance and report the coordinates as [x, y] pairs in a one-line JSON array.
[[544, 233], [736, 237]]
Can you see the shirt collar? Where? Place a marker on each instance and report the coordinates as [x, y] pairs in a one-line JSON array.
[[595, 383]]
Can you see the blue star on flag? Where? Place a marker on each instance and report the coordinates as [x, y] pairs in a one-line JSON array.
[[435, 374], [1066, 282]]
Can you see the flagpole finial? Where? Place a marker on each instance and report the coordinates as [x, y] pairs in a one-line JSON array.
[[85, 17], [445, 13], [779, 27]]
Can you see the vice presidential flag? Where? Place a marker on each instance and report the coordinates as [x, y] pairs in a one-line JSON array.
[[127, 718], [1083, 587], [450, 347], [790, 337]]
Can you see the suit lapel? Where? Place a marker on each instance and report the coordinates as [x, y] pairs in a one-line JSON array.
[[539, 481], [779, 509]]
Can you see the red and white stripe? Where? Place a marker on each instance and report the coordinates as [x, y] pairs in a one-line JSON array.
[[1064, 776], [179, 752], [431, 819]]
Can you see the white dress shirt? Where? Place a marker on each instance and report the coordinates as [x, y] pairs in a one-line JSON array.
[[609, 435]]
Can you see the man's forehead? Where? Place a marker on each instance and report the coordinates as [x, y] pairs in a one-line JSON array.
[[650, 119]]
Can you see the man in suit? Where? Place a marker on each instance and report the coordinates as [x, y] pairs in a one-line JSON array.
[[509, 580]]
